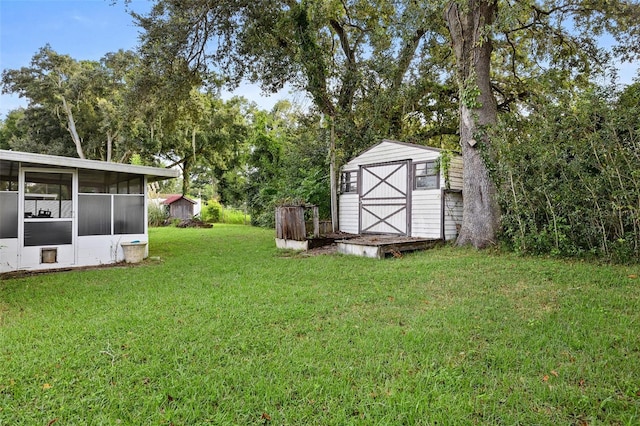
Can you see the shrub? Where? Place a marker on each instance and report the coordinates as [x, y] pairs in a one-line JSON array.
[[568, 177], [235, 217], [156, 214], [212, 212]]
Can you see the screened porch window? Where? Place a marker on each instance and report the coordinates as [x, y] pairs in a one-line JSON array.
[[426, 175], [9, 214], [48, 201], [48, 195], [94, 214], [110, 203], [8, 200]]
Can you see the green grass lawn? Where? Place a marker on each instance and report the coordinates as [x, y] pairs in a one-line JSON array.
[[225, 329]]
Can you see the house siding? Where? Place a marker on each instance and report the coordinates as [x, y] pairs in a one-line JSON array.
[[8, 254]]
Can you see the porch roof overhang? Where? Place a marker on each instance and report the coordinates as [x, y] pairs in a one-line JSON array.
[[38, 160]]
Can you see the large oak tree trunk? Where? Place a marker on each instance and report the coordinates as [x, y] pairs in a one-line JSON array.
[[468, 26]]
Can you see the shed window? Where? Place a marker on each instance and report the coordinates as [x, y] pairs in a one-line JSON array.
[[349, 182], [426, 175]]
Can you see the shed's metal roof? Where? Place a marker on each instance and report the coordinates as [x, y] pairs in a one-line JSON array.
[[35, 160], [175, 197]]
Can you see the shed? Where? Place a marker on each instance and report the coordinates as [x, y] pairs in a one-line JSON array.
[[180, 207], [397, 188], [59, 212]]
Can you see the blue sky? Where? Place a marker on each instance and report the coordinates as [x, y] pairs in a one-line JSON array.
[[82, 29]]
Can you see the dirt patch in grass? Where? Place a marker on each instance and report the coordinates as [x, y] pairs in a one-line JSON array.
[[318, 251], [193, 223]]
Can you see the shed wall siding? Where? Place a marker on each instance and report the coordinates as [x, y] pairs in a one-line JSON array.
[[452, 215], [348, 213], [425, 215], [455, 173], [181, 209]]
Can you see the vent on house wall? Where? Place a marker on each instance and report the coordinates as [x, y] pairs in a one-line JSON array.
[[49, 255]]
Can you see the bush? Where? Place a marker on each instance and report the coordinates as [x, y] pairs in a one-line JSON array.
[[235, 217], [157, 215], [212, 212], [568, 178]]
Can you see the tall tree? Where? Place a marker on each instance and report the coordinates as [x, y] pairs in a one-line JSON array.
[[116, 116], [468, 26], [36, 129], [549, 30], [86, 98], [202, 130], [52, 82], [341, 53]]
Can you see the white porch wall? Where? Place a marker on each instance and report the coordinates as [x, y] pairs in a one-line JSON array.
[[105, 249], [8, 254]]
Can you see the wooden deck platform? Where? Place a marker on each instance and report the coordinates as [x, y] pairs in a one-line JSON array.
[[381, 246]]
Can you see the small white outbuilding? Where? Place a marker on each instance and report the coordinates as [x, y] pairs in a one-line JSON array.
[[397, 188], [59, 212]]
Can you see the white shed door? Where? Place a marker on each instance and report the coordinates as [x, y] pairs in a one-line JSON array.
[[384, 198]]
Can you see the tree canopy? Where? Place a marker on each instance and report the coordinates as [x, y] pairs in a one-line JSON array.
[[85, 98]]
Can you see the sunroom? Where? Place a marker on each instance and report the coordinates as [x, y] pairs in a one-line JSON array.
[[59, 212]]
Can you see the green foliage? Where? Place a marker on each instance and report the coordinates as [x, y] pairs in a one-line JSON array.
[[374, 69], [287, 161], [568, 176], [136, 159], [211, 212], [214, 212], [443, 165], [235, 217], [35, 129], [220, 328], [78, 104], [470, 93], [157, 214]]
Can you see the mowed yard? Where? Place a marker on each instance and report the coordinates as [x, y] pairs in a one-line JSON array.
[[225, 329]]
